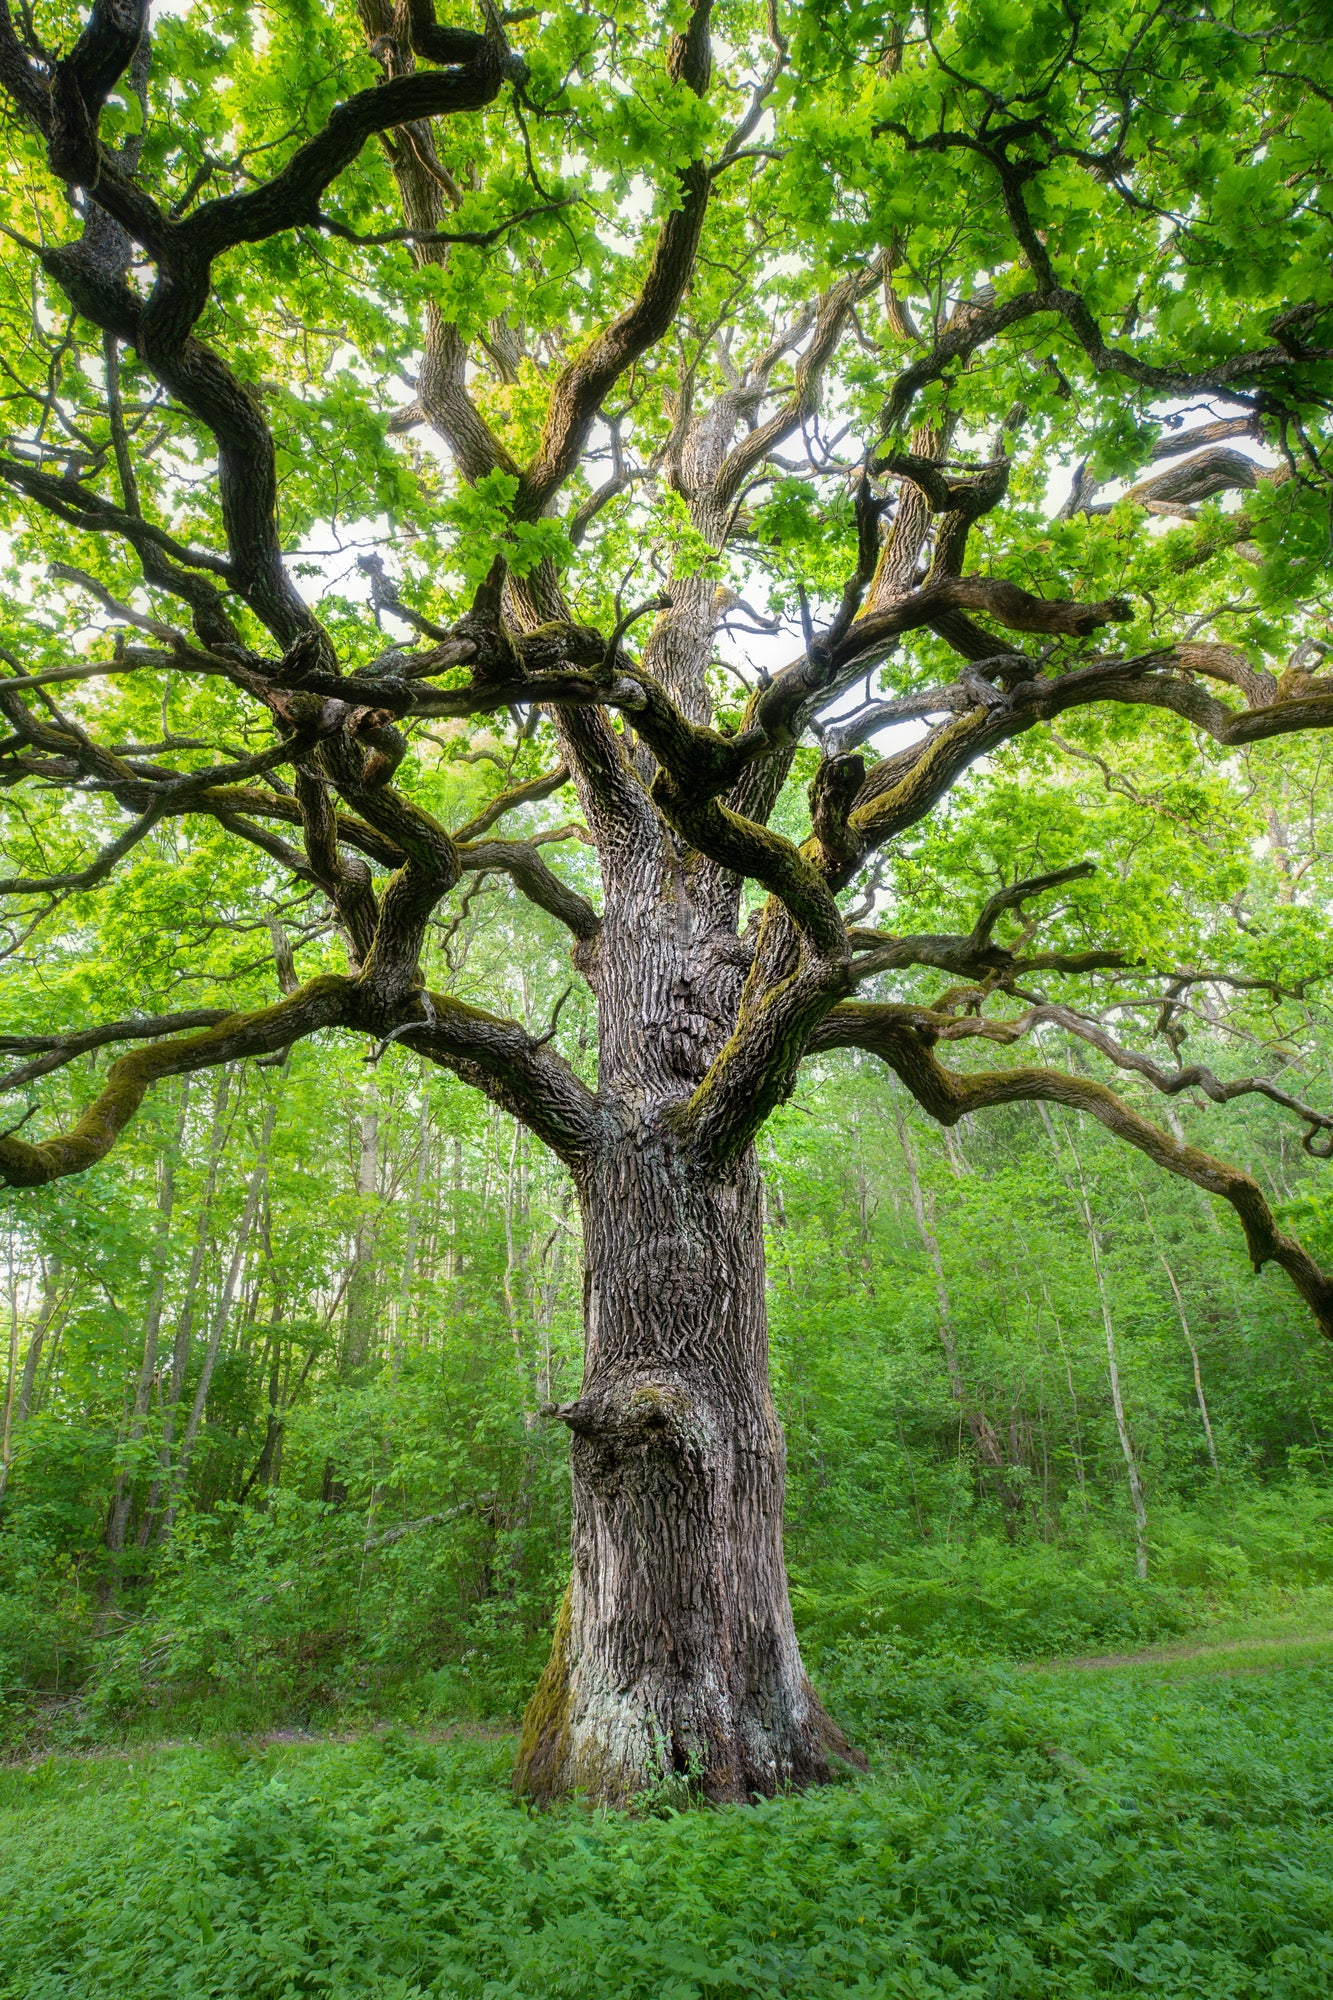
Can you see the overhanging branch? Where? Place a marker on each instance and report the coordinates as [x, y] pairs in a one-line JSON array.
[[904, 1038]]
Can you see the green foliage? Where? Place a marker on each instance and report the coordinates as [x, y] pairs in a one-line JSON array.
[[297, 1598], [481, 517], [990, 1599]]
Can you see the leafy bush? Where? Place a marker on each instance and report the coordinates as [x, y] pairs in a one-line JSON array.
[[276, 1616], [987, 1600]]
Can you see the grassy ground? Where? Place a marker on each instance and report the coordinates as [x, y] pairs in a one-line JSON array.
[[1158, 1826]]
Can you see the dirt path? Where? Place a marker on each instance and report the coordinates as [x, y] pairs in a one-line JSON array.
[[25, 1756], [1230, 1656], [1155, 1656]]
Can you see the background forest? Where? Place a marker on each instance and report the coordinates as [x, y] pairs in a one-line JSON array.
[[273, 1371]]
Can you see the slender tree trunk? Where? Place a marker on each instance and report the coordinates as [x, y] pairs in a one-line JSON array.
[[1177, 1295], [402, 1318], [1123, 1431], [1194, 1357], [675, 1658], [253, 1196], [123, 1495], [361, 1285], [11, 1373], [984, 1436], [453, 1262], [19, 1405], [516, 1259], [52, 1300], [268, 1466], [1079, 1472], [180, 1346]]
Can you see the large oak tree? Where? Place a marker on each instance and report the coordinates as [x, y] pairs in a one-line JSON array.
[[381, 391]]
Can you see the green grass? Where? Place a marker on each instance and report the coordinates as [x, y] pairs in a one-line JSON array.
[[1024, 1836], [1209, 1658]]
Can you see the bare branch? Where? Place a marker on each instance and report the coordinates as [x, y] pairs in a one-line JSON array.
[[520, 860], [512, 1067], [1191, 1076], [1171, 444], [832, 315], [52, 1052], [1017, 893], [526, 794]]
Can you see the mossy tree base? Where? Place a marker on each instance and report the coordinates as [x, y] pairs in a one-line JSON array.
[[618, 1746]]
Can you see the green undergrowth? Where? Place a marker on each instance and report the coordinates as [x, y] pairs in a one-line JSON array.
[[1230, 1562], [1022, 1836], [259, 1632]]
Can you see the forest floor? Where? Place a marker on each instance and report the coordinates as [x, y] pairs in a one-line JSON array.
[[1157, 1822]]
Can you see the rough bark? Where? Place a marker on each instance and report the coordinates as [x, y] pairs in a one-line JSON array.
[[675, 1663]]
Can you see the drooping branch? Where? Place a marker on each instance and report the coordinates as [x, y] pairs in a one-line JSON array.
[[755, 1068], [903, 788], [513, 1067], [171, 797], [530, 792], [79, 507], [972, 955], [322, 1003], [1318, 1138], [905, 1037], [831, 316], [521, 861]]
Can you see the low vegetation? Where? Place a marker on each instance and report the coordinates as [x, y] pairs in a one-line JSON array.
[[1022, 1836]]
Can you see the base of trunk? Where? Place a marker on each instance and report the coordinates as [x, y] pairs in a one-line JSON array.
[[685, 1738]]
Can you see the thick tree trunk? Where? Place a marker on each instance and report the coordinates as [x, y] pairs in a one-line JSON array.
[[675, 1665], [675, 1662]]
